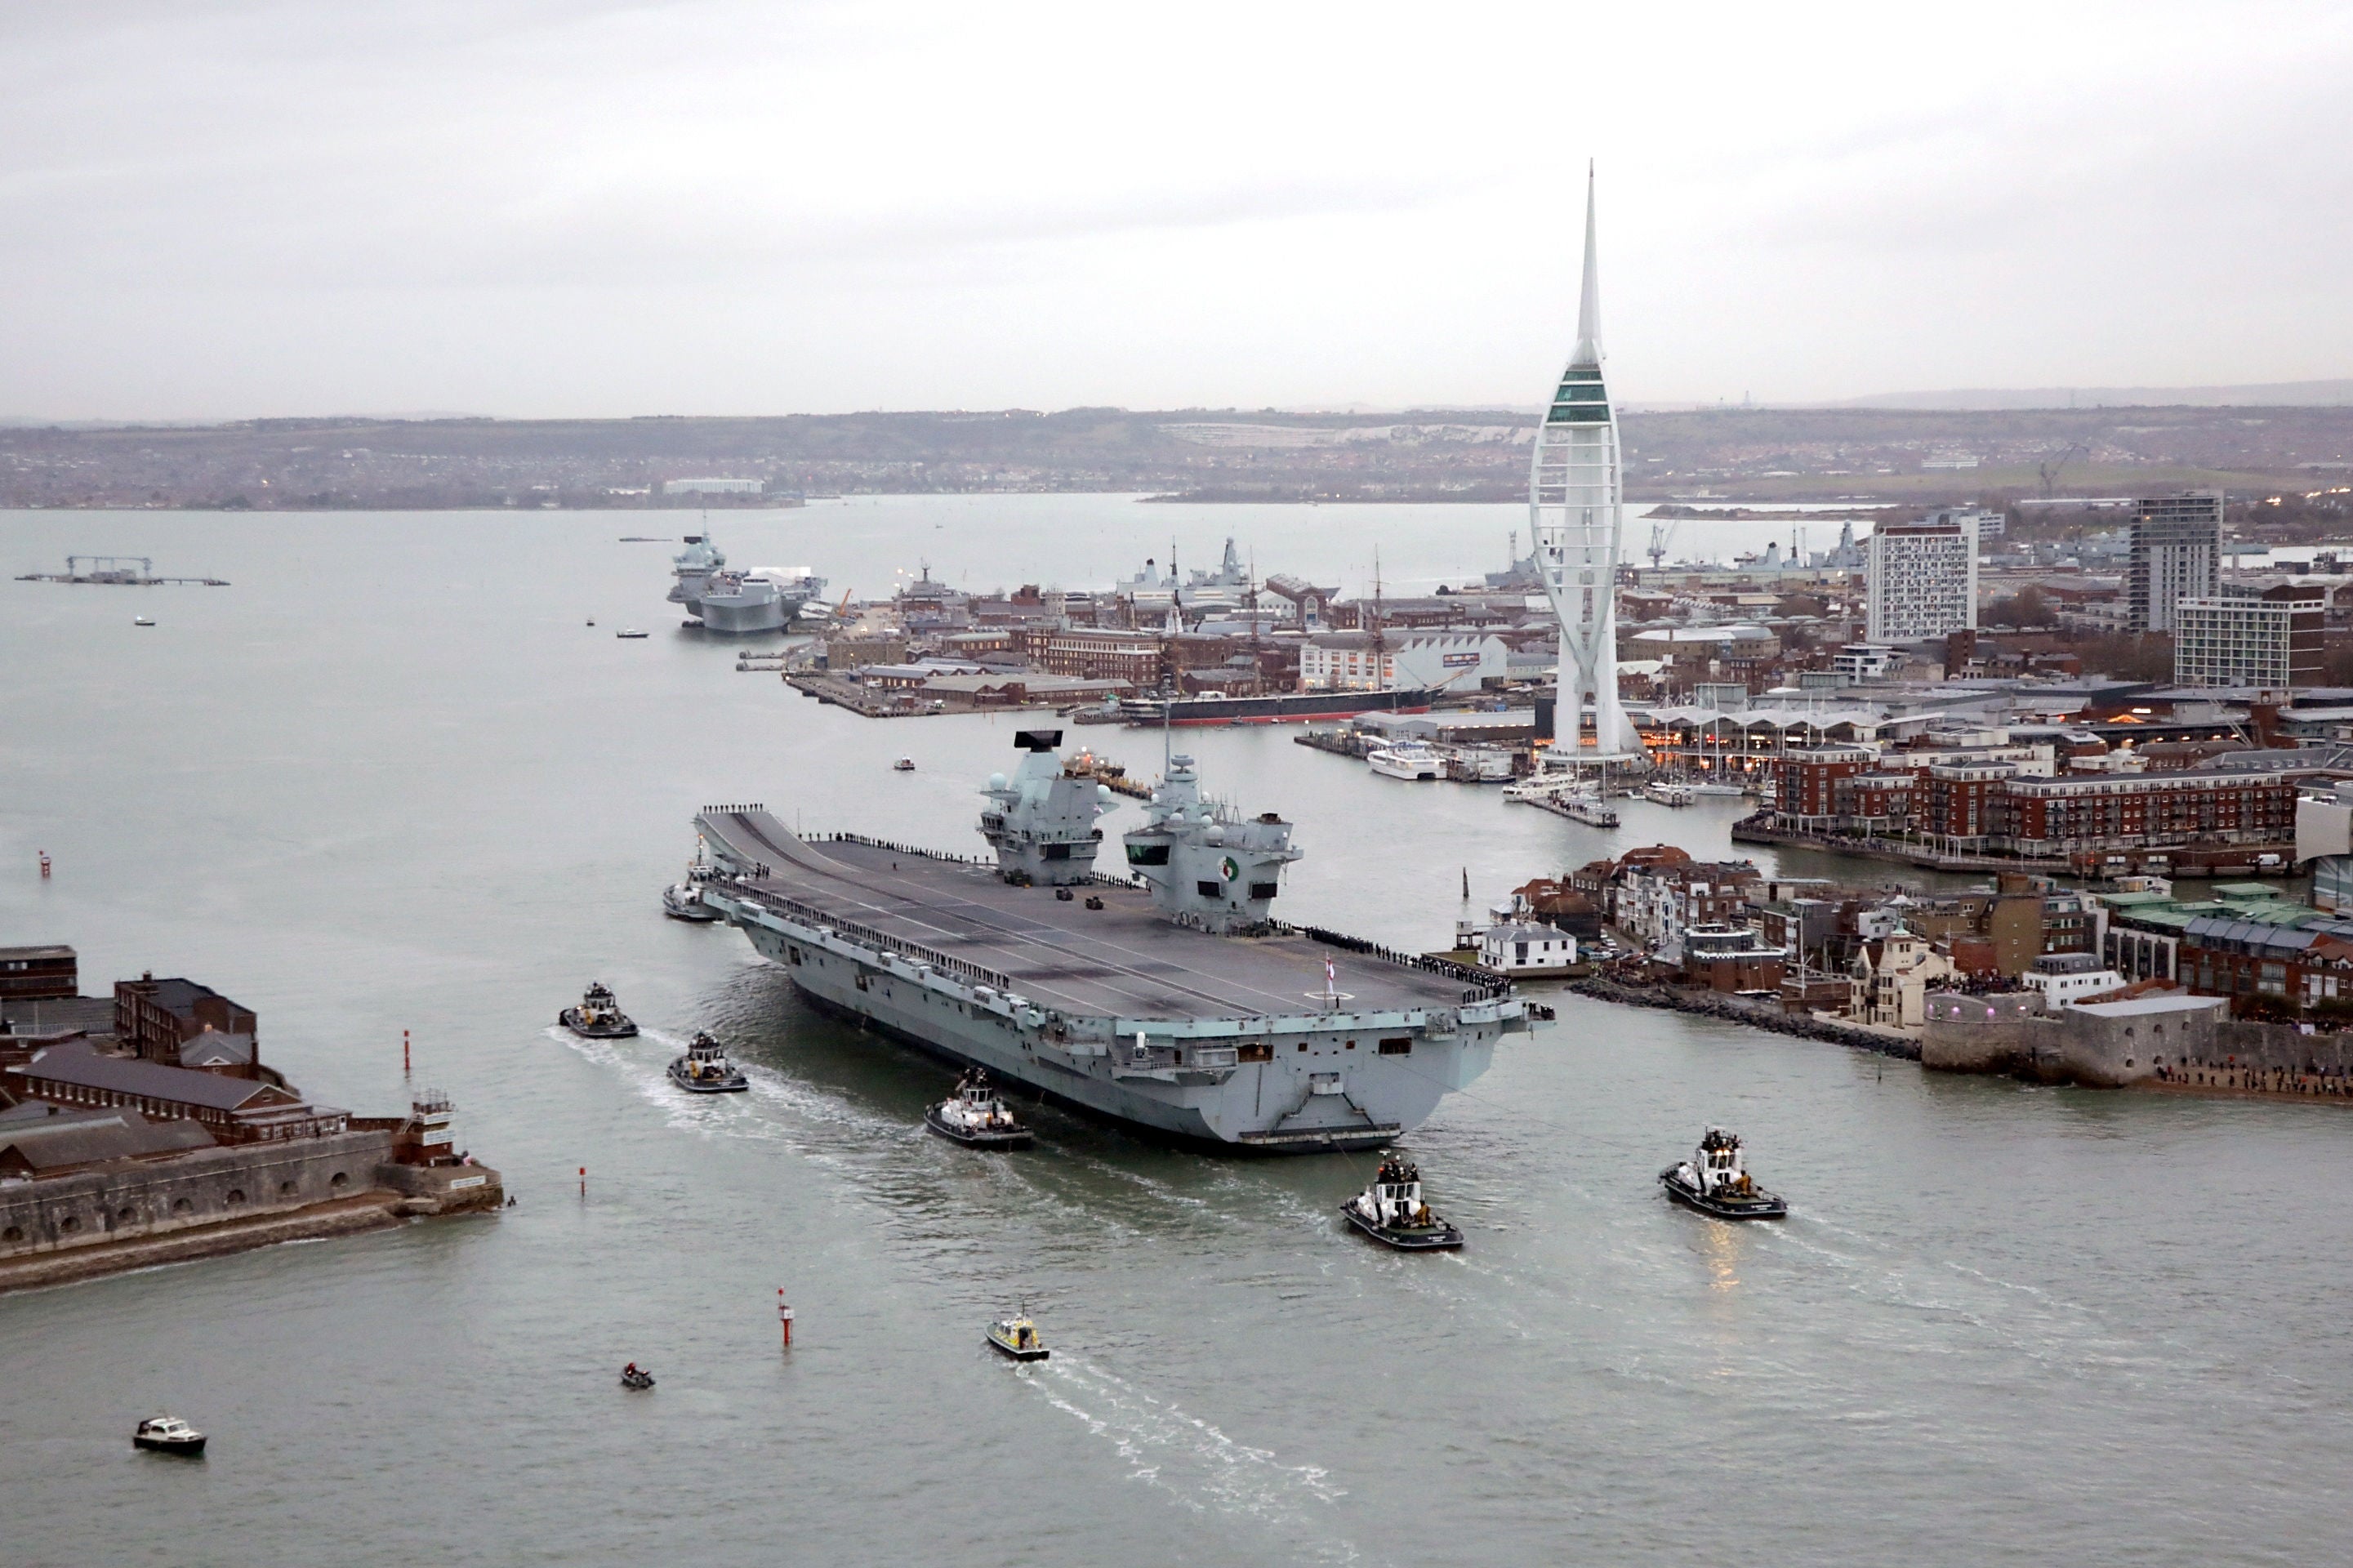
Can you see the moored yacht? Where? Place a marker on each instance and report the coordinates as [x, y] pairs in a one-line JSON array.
[[1715, 1181], [976, 1117], [598, 1017], [705, 1069], [1667, 791], [1391, 1211]]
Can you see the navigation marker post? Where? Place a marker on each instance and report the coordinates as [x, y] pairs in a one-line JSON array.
[[785, 1315]]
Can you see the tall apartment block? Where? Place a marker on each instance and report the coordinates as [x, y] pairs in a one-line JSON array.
[[2177, 553], [1920, 579], [2235, 641]]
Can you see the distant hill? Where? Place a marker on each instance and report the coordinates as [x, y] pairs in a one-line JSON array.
[[2267, 395]]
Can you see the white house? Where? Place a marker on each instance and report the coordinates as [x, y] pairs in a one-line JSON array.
[[2067, 978], [1526, 949]]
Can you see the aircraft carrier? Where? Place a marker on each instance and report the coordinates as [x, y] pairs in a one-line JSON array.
[[1168, 1000]]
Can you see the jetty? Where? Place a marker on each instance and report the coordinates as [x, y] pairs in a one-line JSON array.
[[117, 572]]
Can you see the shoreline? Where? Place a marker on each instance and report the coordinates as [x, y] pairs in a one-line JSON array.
[[1730, 1009], [378, 1210]]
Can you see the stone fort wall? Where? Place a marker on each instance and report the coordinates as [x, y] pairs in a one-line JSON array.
[[205, 1186]]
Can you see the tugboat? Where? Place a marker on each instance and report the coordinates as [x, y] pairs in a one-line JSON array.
[[1715, 1182], [975, 1117], [903, 765], [705, 1069], [1018, 1337], [598, 1017], [168, 1434], [1391, 1211], [636, 1378]]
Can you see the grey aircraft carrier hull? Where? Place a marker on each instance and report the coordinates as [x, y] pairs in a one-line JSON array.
[[1225, 1041]]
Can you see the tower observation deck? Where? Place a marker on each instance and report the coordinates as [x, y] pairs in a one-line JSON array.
[[1577, 518]]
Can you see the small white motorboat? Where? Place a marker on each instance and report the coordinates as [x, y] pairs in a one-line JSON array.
[[629, 633], [141, 621], [168, 1434], [903, 765]]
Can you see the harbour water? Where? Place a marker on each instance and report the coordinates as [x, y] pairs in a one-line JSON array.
[[390, 780]]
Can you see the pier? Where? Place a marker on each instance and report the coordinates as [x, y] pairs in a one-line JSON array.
[[115, 572]]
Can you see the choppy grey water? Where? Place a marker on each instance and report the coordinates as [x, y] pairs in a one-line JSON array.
[[389, 780]]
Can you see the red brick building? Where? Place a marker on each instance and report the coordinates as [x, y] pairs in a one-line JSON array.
[[1809, 777]]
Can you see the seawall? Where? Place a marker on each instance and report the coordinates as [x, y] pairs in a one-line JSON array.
[[208, 1201], [1732, 1009]]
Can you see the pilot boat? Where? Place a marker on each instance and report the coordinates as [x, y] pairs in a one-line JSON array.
[[684, 901], [1018, 1337], [598, 1017], [1716, 1182], [975, 1117], [1392, 1213], [168, 1434], [705, 1069]]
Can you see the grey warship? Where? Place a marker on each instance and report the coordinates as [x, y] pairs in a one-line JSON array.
[[1169, 1001]]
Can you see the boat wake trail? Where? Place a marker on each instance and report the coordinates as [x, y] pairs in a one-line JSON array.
[[1200, 1468]]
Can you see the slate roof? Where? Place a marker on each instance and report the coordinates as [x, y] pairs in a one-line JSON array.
[[81, 1064], [70, 1138]]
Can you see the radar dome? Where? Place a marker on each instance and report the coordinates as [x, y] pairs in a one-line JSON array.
[[996, 780]]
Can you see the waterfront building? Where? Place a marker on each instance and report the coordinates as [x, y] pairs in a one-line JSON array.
[[233, 1109], [1920, 579], [1364, 661], [2064, 979], [1807, 781], [1660, 898], [2098, 814], [1577, 521], [1526, 948], [158, 1019], [1889, 980], [713, 487], [1139, 660], [1731, 958], [38, 973], [2176, 553], [2229, 640]]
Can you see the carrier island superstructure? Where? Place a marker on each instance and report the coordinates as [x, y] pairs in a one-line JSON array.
[[1169, 1000]]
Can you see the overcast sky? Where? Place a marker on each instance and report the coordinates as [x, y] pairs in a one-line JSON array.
[[566, 207]]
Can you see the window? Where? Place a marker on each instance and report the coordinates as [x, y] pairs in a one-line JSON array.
[[339, 1181], [1264, 890], [1147, 853], [1210, 890], [1399, 1046], [1254, 1051]]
